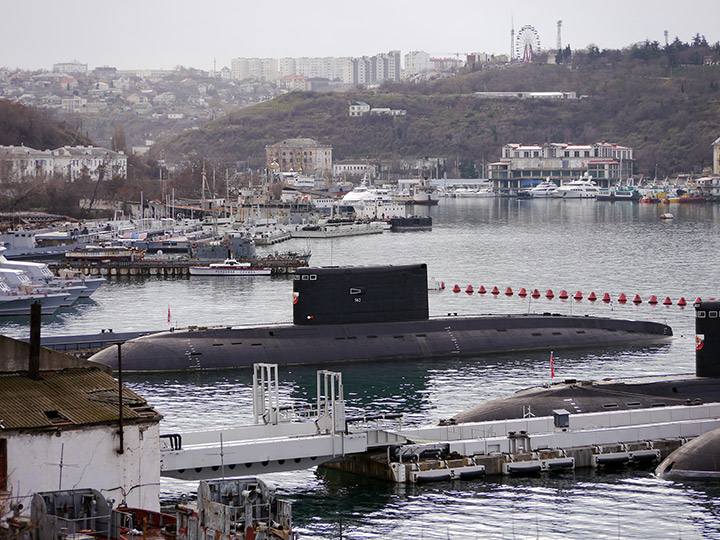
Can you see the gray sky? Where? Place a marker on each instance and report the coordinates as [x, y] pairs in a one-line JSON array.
[[135, 34]]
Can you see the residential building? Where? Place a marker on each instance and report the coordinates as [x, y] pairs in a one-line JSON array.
[[416, 62], [300, 155], [75, 105], [526, 165], [293, 83], [17, 162], [21, 161], [98, 163], [261, 69], [70, 67], [358, 108], [61, 428]]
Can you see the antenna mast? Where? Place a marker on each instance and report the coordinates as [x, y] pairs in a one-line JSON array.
[[559, 39]]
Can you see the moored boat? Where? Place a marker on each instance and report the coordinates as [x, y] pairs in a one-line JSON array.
[[229, 267], [98, 253]]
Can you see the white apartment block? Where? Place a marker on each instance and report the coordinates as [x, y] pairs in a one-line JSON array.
[[17, 162], [261, 69], [416, 62], [365, 70], [74, 105], [70, 67], [359, 108], [21, 161]]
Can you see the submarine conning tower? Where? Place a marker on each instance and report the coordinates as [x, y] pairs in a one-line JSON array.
[[707, 346], [360, 294]]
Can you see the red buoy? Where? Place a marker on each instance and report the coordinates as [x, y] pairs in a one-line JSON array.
[[606, 298], [481, 290], [456, 288], [637, 299], [698, 299], [535, 293], [495, 290], [442, 285], [622, 298], [522, 293], [549, 294], [653, 300], [667, 301], [578, 296], [469, 289], [508, 292], [592, 297], [682, 302], [563, 294]]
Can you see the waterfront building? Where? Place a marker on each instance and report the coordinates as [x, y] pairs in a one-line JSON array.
[[351, 168], [302, 155], [523, 166], [61, 429]]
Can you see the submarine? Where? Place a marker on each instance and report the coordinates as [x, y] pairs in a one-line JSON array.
[[591, 396], [364, 313]]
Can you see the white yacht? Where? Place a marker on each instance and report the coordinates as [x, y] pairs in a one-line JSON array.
[[545, 190], [582, 188]]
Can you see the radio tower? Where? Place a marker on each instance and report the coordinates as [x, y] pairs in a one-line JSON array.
[[559, 40], [666, 37], [512, 38]]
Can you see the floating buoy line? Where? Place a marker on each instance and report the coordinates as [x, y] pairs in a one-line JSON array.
[[606, 297]]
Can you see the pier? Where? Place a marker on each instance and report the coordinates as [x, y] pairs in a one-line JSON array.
[[174, 267], [283, 439]]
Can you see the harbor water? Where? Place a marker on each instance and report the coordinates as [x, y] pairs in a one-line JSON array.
[[576, 245]]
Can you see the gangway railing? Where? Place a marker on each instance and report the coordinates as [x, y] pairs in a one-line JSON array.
[[281, 438]]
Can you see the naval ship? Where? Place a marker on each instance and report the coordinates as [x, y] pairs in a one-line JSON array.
[[364, 313]]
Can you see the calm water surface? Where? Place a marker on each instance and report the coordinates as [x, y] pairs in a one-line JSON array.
[[573, 245]]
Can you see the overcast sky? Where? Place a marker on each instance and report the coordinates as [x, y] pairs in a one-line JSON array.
[[162, 34]]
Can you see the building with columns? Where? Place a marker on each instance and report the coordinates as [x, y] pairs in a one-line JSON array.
[[716, 156], [300, 155]]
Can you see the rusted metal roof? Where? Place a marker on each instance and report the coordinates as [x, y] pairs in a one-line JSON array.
[[67, 398]]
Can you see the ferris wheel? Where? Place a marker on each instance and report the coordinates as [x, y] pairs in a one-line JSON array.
[[527, 43]]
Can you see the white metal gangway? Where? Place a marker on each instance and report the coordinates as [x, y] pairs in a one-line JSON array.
[[281, 439]]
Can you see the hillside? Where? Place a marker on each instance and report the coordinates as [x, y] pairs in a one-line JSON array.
[[21, 125], [669, 113]]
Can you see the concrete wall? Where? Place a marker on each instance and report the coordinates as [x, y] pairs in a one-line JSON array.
[[89, 460], [14, 355]]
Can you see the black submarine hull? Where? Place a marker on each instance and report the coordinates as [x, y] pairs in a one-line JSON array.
[[352, 314], [233, 347], [620, 394]]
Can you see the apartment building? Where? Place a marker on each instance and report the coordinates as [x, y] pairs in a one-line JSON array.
[[71, 162]]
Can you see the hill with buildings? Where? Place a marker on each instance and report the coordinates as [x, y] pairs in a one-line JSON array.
[[663, 102]]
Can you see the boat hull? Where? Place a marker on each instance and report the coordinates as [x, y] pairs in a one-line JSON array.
[[238, 347], [229, 271]]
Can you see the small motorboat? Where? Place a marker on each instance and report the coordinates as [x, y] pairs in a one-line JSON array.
[[667, 215], [229, 267]]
